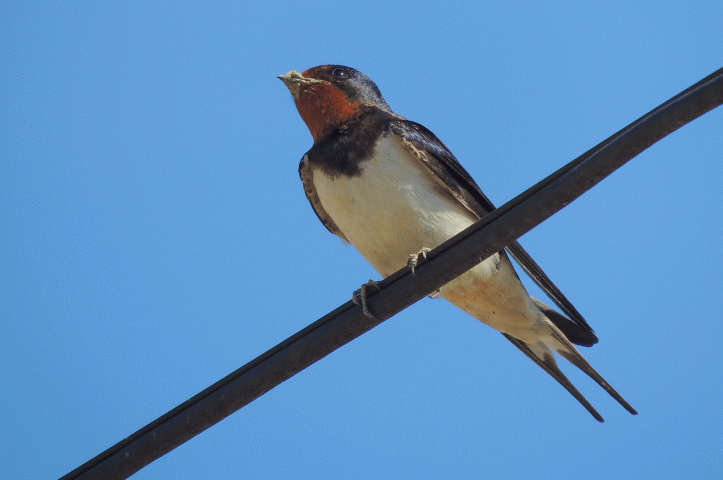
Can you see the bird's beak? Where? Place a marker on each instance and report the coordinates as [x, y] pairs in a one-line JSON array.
[[293, 80]]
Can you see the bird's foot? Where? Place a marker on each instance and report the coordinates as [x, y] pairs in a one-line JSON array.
[[360, 296], [414, 258]]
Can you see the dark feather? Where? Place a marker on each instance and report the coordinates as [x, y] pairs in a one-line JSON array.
[[439, 159]]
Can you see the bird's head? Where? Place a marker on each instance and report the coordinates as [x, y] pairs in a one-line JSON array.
[[330, 95]]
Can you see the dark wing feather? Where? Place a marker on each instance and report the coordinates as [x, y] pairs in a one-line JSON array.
[[306, 174], [543, 281], [427, 147], [437, 157]]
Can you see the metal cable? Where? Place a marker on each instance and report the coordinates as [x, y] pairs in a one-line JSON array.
[[444, 263]]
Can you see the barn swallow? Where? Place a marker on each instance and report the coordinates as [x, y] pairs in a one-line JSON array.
[[391, 188]]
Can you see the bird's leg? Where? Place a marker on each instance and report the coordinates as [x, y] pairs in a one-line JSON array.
[[360, 296], [414, 261], [414, 258]]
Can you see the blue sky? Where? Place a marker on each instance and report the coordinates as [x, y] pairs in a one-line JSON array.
[[154, 237]]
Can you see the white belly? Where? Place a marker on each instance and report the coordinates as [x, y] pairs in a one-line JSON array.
[[393, 209]]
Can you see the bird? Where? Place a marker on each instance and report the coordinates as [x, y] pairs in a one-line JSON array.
[[390, 188]]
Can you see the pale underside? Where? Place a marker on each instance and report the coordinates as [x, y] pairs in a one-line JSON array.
[[397, 207]]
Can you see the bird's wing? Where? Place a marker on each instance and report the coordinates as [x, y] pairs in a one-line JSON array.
[[430, 150], [306, 174], [584, 334]]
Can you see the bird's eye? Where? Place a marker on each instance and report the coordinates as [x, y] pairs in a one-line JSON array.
[[340, 73]]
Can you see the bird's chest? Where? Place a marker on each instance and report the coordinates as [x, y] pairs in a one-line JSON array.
[[392, 208]]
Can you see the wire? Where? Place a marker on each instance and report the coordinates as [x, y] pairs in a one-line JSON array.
[[446, 262]]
